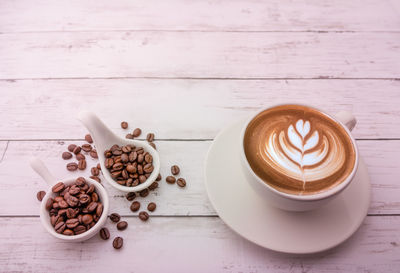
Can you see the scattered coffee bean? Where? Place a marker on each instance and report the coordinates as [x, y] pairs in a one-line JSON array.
[[40, 195], [98, 166], [104, 233], [136, 132], [80, 156], [71, 147], [130, 196], [159, 177], [58, 187], [144, 193], [144, 216], [153, 145], [170, 179], [151, 206], [124, 125], [93, 153], [122, 225], [96, 178], [88, 138], [72, 166], [66, 155], [135, 206], [95, 171], [87, 147], [118, 242], [150, 137], [181, 182], [153, 186], [129, 136], [82, 164], [175, 170], [77, 150], [115, 217]]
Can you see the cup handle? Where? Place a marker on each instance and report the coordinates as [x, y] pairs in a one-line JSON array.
[[347, 119], [39, 167]]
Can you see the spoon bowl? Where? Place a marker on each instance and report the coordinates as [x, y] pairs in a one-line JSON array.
[[104, 138], [42, 170]]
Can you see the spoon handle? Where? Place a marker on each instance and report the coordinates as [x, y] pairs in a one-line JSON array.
[[39, 167]]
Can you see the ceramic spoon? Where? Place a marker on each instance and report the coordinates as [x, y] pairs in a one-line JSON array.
[[104, 138]]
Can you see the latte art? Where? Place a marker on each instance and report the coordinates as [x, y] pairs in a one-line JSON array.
[[298, 149]]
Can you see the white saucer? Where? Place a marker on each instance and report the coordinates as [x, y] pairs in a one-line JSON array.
[[245, 212]]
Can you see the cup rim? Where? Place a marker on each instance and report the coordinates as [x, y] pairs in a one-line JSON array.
[[101, 191], [311, 197]]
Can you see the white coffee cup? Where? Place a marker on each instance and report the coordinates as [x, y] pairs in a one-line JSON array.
[[293, 202]]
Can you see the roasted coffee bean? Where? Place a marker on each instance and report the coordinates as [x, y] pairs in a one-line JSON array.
[[49, 204], [129, 182], [98, 166], [131, 169], [104, 233], [126, 149], [135, 206], [96, 178], [170, 179], [92, 206], [107, 153], [91, 189], [68, 232], [150, 137], [122, 225], [140, 169], [66, 155], [153, 145], [129, 136], [62, 212], [144, 193], [58, 187], [175, 170], [80, 156], [153, 186], [144, 216], [95, 171], [117, 166], [124, 158], [63, 204], [159, 177], [95, 197], [140, 158], [93, 153], [73, 201], [99, 209], [88, 138], [72, 223], [58, 199], [117, 152], [79, 229], [71, 213], [71, 147], [77, 150], [60, 227], [151, 206], [87, 219], [74, 189], [124, 125], [72, 166], [87, 147], [118, 242], [40, 195], [84, 199], [54, 219], [136, 132], [130, 196], [82, 164], [115, 217], [135, 182], [109, 162], [133, 156], [142, 179], [148, 168], [148, 158], [80, 181], [181, 182]]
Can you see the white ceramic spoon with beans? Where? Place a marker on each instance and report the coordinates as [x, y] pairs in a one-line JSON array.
[[104, 138], [42, 170]]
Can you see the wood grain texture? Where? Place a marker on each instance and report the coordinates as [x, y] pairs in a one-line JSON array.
[[199, 55], [186, 109], [19, 180], [191, 245], [240, 15]]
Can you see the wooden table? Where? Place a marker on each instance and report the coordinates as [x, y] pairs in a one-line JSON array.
[[183, 70]]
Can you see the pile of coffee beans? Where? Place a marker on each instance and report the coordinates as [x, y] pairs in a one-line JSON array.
[[128, 165], [76, 207]]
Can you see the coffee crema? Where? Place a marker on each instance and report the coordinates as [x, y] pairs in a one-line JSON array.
[[298, 149]]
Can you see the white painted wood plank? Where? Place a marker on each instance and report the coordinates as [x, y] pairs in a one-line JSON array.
[[190, 245], [189, 109], [17, 178], [239, 15], [199, 55]]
